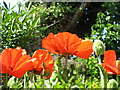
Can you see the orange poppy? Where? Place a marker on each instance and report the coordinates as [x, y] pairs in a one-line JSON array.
[[15, 62], [43, 63], [68, 44], [110, 63]]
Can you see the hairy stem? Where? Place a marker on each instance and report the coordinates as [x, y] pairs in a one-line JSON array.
[[99, 59], [25, 86], [66, 59]]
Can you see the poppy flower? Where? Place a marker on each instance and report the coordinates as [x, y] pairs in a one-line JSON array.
[[110, 64], [43, 64], [66, 43], [15, 62]]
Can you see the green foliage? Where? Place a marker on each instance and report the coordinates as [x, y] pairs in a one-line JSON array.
[[18, 28], [28, 25], [107, 27], [80, 72], [14, 82]]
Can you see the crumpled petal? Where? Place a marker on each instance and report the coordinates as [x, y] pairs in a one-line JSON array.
[[110, 63], [66, 43], [85, 49], [110, 58], [15, 62], [43, 64]]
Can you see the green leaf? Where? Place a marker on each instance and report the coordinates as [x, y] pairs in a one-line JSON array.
[[29, 6], [23, 18], [7, 17], [12, 7], [34, 23], [5, 5], [13, 23], [31, 11]]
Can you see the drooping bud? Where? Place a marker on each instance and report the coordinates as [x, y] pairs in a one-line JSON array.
[[112, 84], [98, 47]]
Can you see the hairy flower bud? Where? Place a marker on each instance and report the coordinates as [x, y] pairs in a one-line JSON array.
[[98, 47], [112, 84]]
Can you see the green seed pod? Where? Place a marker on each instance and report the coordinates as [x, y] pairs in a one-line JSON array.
[[112, 84], [98, 47]]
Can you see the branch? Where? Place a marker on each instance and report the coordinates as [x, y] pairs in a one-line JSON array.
[[51, 25], [76, 17]]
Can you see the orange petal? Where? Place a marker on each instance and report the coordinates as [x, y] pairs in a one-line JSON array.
[[23, 65], [111, 70], [4, 69], [85, 49], [74, 42], [42, 56], [49, 44], [15, 55], [67, 42], [49, 69], [44, 62], [110, 58], [61, 43], [5, 60]]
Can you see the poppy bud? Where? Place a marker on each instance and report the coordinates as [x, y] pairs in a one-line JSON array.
[[98, 47], [112, 84]]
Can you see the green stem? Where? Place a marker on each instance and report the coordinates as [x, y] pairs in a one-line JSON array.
[[99, 59], [103, 76], [65, 70], [66, 58], [32, 80], [59, 71], [117, 79], [25, 86], [6, 80]]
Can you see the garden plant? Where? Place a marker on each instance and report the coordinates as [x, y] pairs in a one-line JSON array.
[[35, 54]]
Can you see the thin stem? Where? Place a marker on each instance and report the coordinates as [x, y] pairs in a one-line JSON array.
[[66, 71], [117, 79], [25, 86], [99, 59], [32, 80], [6, 80], [66, 59]]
